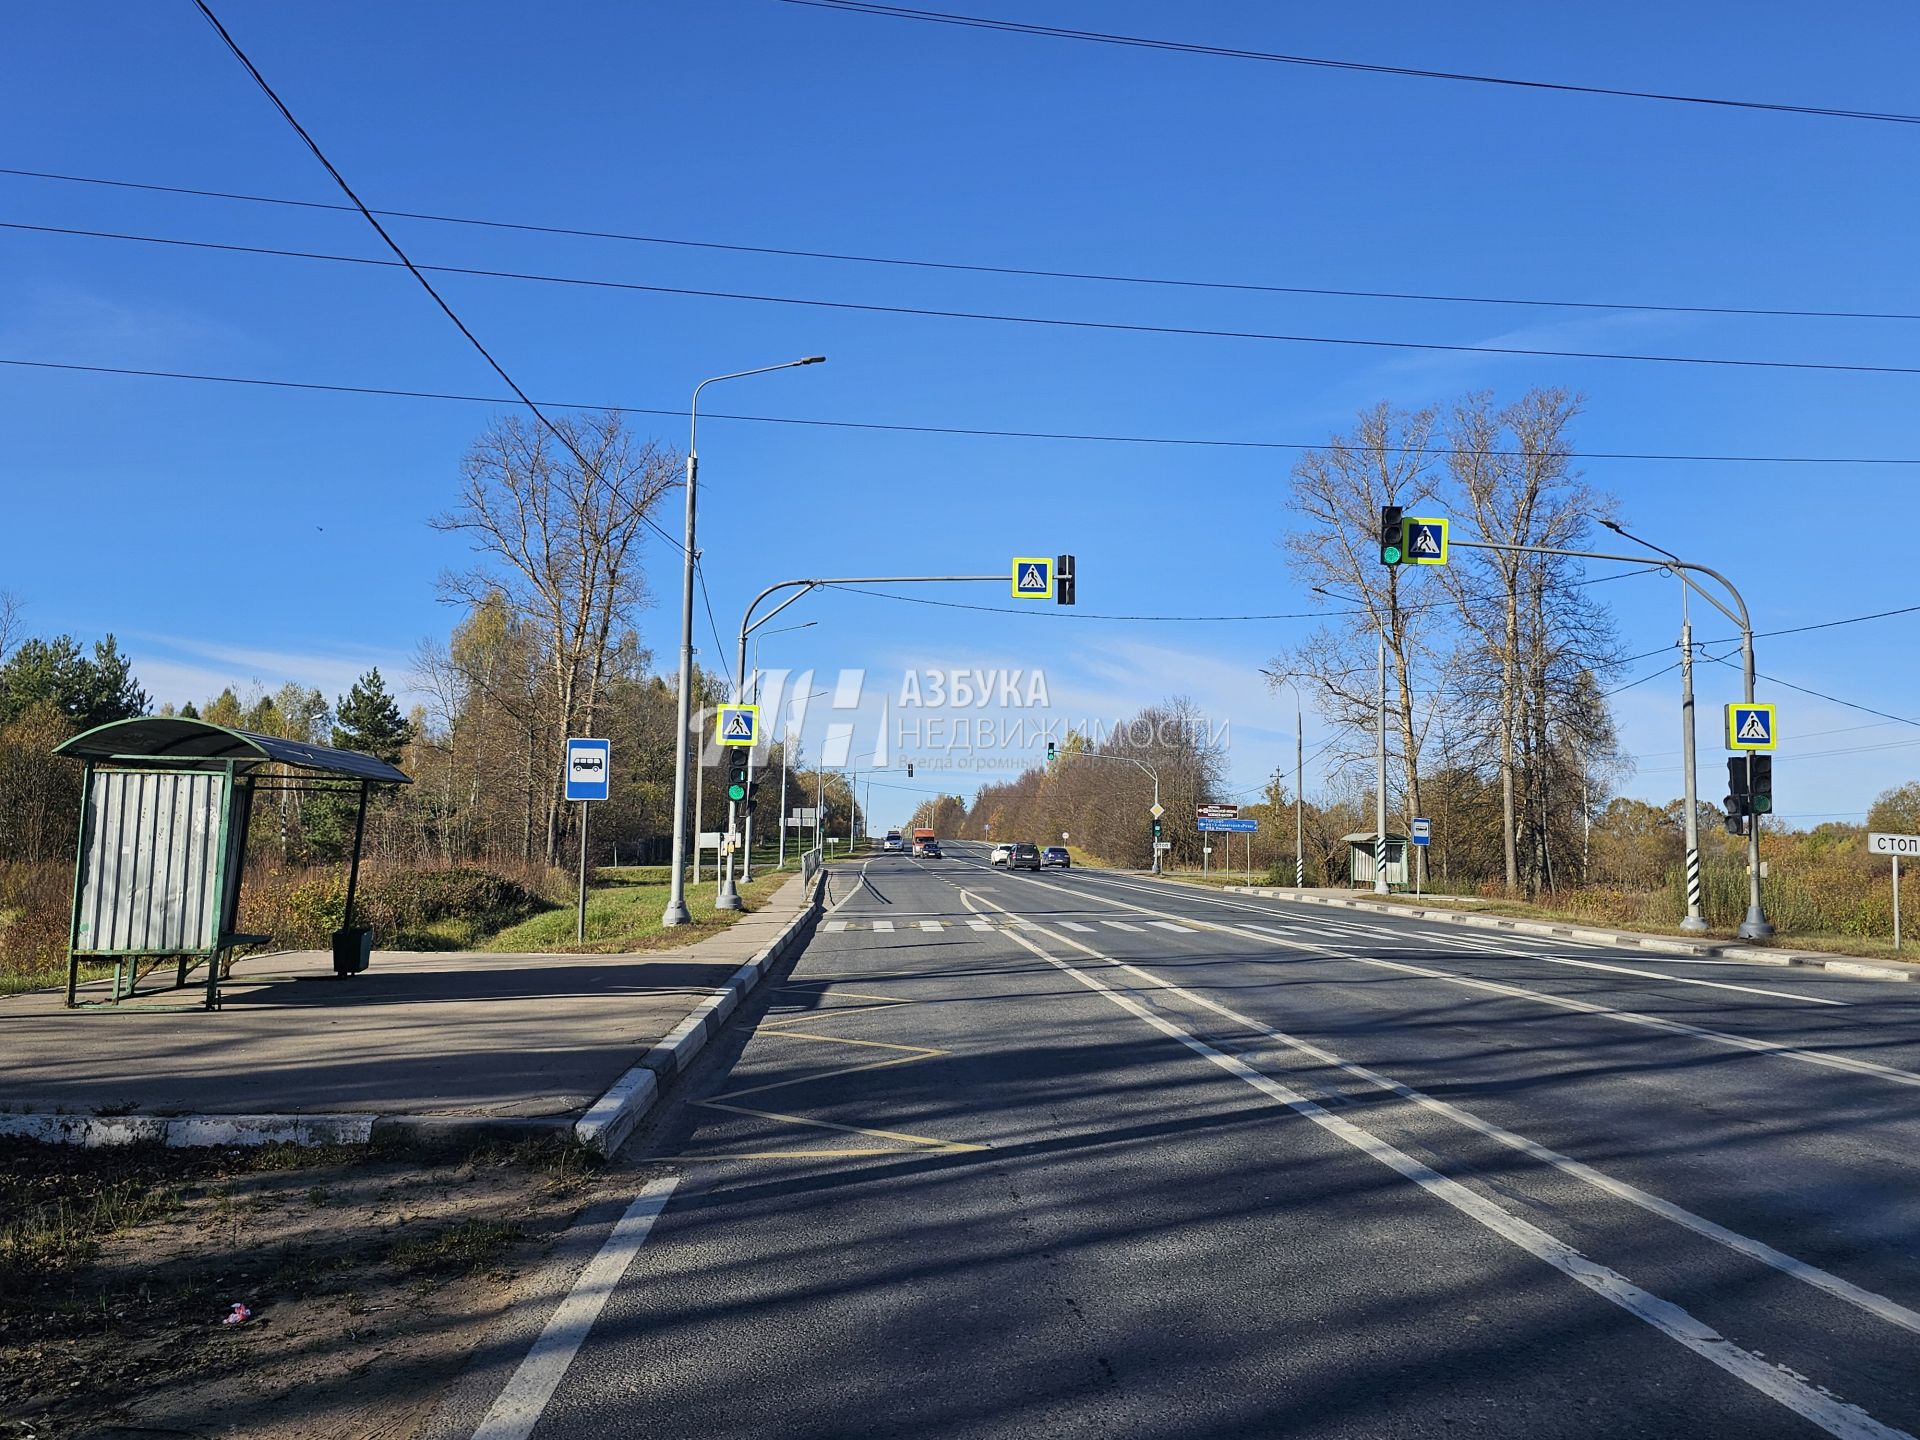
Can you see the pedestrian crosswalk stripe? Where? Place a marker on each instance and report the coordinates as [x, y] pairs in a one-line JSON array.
[[1075, 925], [884, 926], [835, 926], [1169, 925], [933, 925], [978, 925], [1120, 925]]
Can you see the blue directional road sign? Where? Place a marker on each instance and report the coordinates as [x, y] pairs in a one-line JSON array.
[[1033, 577], [588, 762], [737, 724], [1237, 827]]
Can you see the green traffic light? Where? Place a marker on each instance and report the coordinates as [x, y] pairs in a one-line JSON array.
[[1389, 554], [736, 792]]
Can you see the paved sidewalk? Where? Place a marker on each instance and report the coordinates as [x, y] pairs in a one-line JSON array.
[[454, 1037]]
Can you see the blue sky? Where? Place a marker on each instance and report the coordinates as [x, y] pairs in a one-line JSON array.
[[232, 533]]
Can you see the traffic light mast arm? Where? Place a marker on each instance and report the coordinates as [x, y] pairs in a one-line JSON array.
[[1738, 616]]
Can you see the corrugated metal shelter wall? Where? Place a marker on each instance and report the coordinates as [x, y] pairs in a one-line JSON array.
[[153, 842]]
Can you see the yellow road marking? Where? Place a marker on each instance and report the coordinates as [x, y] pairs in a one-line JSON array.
[[910, 1054]]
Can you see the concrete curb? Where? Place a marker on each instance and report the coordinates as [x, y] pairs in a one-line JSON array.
[[605, 1126], [184, 1131], [1666, 945], [614, 1116]]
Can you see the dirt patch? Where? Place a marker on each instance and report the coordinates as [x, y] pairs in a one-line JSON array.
[[370, 1278]]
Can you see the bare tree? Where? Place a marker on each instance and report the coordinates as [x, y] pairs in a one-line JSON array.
[[1337, 494], [561, 541], [1534, 640], [12, 621]]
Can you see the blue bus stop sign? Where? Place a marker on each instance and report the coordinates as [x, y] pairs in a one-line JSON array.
[[587, 766]]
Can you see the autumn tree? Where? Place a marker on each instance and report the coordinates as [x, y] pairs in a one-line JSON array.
[[558, 522]]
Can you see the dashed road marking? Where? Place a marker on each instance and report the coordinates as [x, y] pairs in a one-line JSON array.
[[1174, 926]]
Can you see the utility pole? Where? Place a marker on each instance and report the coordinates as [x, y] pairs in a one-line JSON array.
[[1380, 783]]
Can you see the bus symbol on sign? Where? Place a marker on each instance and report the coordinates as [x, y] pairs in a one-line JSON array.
[[587, 765]]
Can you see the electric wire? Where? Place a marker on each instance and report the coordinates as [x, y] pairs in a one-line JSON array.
[[401, 259], [1056, 32], [975, 268], [1821, 695], [1057, 322], [406, 394]]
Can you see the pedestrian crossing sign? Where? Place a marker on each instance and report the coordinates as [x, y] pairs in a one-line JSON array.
[[737, 724], [1424, 541], [1033, 577], [1750, 727]]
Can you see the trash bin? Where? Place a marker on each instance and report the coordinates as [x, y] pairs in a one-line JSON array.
[[352, 948]]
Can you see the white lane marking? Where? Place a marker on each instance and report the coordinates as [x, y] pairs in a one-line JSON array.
[[1122, 925], [1271, 930], [860, 885], [834, 927], [1674, 979], [1174, 926], [1076, 925], [1828, 1411], [1879, 1305], [885, 927], [934, 925], [1826, 1059], [978, 925], [521, 1404]]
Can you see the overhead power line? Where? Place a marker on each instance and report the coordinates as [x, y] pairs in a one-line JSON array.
[[1248, 287], [1317, 62], [1822, 695], [1059, 322], [401, 256], [985, 433]]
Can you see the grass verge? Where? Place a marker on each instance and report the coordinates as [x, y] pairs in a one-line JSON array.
[[625, 918]]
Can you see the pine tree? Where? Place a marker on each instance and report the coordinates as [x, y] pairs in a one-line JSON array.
[[368, 719]]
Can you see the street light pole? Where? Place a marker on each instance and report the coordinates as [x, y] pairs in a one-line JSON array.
[[1756, 926], [676, 911], [1696, 919], [1292, 682]]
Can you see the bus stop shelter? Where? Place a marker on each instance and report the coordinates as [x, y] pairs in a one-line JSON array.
[[163, 842], [1360, 858]]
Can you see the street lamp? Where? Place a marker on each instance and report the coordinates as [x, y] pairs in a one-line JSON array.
[[746, 829], [676, 911], [1291, 681], [1696, 919]]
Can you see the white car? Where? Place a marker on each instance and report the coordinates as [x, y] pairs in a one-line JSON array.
[[1001, 855]]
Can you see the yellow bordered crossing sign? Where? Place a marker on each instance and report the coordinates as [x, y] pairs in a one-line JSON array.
[[1750, 727], [1033, 577], [1423, 541], [736, 724]]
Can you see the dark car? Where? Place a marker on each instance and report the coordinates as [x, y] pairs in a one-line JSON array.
[[1056, 855], [1025, 857], [930, 850]]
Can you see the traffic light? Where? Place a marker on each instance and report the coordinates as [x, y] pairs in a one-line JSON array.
[[1049, 752], [1063, 579], [753, 789], [1760, 784], [1156, 829], [909, 769], [1739, 803], [1393, 534], [737, 778]]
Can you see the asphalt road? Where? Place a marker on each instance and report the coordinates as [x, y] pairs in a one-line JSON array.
[[1083, 1154]]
